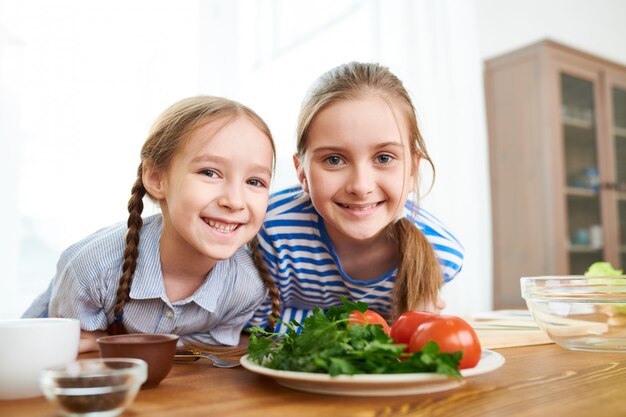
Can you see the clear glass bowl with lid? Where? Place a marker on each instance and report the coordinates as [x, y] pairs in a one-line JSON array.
[[579, 312]]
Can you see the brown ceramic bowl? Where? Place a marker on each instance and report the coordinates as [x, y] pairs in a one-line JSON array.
[[156, 349]]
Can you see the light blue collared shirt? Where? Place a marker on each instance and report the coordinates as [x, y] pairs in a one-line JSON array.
[[87, 279]]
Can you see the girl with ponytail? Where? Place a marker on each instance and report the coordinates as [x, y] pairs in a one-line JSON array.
[[207, 163], [353, 227]]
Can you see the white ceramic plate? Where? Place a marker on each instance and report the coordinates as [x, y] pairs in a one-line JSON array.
[[377, 384]]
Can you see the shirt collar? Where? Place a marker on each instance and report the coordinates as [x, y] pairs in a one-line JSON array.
[[210, 292], [148, 278]]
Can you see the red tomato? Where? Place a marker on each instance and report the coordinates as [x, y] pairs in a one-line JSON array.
[[406, 324], [369, 317], [452, 334]]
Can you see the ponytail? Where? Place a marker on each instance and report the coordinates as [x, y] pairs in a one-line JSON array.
[[253, 246], [131, 252], [419, 277]]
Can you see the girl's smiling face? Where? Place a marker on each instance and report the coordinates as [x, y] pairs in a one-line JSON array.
[[357, 167], [214, 193]]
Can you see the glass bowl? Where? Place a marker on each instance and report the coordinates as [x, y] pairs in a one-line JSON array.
[[94, 387], [578, 312]]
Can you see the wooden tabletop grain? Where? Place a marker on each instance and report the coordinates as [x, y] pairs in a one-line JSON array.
[[542, 380]]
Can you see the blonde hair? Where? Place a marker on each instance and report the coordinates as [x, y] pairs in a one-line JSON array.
[[419, 276], [167, 136]]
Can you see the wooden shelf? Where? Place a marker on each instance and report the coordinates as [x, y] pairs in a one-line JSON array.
[[578, 123], [581, 192], [584, 248], [619, 131]]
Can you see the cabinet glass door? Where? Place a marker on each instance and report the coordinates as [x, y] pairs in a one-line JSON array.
[[619, 138], [584, 222]]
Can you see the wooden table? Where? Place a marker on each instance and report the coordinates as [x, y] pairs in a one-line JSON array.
[[543, 380]]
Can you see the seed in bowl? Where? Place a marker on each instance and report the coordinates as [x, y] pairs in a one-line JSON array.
[[94, 387]]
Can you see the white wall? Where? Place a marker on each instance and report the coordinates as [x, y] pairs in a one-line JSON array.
[[47, 48], [594, 26], [80, 84], [100, 89]]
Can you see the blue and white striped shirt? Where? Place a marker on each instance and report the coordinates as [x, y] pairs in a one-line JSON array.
[[87, 279], [307, 271]]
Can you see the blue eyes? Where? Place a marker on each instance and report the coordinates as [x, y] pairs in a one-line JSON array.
[[333, 160], [382, 159]]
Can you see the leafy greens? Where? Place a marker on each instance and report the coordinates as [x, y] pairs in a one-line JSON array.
[[327, 344]]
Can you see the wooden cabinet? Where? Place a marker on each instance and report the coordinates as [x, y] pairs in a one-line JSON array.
[[557, 144]]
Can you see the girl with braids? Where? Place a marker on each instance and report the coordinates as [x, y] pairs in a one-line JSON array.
[[208, 163], [352, 229]]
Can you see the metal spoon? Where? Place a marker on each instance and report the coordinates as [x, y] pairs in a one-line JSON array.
[[192, 355]]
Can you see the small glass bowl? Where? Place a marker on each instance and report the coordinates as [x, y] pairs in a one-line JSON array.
[[94, 387], [578, 312]]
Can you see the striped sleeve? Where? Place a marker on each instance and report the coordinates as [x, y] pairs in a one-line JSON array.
[[448, 249], [78, 296]]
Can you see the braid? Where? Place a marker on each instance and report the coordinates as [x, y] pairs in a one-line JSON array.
[[169, 133], [419, 274], [253, 245], [131, 252]]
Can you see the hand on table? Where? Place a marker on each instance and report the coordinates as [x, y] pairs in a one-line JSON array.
[[88, 340]]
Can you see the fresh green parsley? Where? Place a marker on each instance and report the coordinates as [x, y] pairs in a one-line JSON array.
[[326, 344]]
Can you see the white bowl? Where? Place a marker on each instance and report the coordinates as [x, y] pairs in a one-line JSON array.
[[28, 346]]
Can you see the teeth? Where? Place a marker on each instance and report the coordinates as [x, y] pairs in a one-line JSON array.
[[222, 227], [360, 208]]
